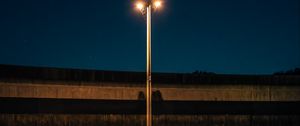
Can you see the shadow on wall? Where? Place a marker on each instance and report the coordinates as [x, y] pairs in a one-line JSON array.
[[156, 96]]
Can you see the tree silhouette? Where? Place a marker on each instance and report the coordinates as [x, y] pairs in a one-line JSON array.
[[295, 71]]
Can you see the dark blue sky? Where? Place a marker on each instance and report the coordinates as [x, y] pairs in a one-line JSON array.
[[222, 36]]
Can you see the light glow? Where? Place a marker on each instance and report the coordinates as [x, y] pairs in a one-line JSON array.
[[157, 4], [140, 5]]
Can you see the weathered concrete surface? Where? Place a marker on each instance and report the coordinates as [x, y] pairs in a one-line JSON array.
[[139, 120], [171, 92]]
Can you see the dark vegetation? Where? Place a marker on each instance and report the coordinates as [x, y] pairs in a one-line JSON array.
[[23, 73], [295, 71], [203, 73]]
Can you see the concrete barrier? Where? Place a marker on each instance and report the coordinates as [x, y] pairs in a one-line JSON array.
[[175, 92]]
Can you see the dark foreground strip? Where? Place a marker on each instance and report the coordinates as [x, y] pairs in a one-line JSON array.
[[75, 106]]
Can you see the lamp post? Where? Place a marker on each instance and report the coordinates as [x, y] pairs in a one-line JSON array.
[[146, 8]]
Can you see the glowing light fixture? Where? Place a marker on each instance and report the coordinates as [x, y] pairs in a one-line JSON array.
[[140, 5], [157, 4]]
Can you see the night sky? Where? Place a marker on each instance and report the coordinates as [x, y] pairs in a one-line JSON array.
[[221, 36]]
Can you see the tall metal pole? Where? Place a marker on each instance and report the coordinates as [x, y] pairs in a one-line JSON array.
[[149, 88]]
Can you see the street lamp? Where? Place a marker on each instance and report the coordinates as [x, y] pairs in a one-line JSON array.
[[145, 6]]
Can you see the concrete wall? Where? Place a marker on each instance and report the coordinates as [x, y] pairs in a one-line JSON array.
[[170, 92]]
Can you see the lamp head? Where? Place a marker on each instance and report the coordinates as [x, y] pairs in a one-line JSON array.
[[140, 5], [157, 3]]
